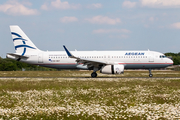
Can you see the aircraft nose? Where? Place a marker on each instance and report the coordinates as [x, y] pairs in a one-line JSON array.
[[170, 61]]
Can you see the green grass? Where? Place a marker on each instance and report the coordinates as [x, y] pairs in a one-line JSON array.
[[88, 98], [75, 73]]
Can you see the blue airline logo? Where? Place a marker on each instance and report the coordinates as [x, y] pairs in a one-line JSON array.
[[134, 53], [19, 37]]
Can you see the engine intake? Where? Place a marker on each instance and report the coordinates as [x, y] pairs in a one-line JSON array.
[[112, 69]]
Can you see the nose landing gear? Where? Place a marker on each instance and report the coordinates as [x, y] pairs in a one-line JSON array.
[[150, 74]]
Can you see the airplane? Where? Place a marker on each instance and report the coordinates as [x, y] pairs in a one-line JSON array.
[[108, 62]]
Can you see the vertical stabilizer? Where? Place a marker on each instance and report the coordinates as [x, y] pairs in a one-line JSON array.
[[21, 42]]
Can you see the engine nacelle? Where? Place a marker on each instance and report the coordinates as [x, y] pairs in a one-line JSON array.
[[112, 69], [83, 67]]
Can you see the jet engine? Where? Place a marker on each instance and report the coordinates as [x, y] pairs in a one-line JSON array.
[[112, 69]]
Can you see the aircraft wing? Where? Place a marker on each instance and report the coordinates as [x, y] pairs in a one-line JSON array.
[[89, 62]]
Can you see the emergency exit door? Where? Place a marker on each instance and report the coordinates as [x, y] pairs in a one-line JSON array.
[[40, 58]]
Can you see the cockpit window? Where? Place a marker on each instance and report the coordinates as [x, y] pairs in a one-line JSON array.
[[162, 56]]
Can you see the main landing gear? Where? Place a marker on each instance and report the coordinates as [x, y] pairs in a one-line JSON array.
[[94, 74], [150, 74]]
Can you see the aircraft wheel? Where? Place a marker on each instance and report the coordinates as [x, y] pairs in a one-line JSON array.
[[150, 75], [94, 74]]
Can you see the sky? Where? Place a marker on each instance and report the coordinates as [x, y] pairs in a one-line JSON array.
[[87, 25]]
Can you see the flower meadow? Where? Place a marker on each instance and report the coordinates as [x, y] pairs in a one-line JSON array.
[[89, 98]]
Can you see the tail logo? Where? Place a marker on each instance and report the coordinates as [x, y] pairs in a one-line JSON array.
[[19, 37]]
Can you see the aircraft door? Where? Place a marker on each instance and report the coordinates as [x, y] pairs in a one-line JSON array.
[[151, 58], [40, 58]]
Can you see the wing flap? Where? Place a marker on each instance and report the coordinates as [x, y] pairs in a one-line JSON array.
[[90, 61]]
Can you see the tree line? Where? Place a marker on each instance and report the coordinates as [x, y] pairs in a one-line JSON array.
[[12, 65], [7, 64], [175, 57]]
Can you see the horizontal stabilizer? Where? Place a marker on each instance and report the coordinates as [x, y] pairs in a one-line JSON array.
[[17, 55]]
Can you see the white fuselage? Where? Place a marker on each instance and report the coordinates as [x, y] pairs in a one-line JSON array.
[[130, 59]]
